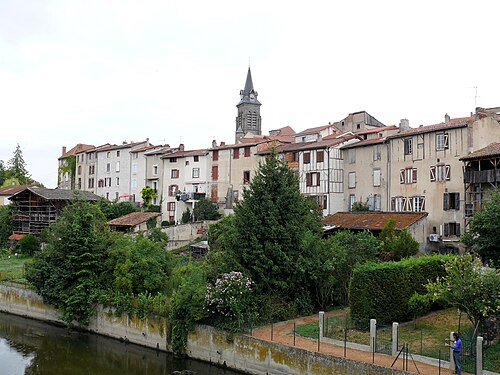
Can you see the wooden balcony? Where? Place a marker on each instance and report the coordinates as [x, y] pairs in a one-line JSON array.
[[480, 177]]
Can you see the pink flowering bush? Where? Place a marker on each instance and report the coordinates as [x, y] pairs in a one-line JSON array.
[[229, 300]]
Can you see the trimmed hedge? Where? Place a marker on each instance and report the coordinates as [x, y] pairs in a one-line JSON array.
[[382, 290]]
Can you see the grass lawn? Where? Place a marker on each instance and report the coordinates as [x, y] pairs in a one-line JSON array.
[[12, 269], [426, 336]]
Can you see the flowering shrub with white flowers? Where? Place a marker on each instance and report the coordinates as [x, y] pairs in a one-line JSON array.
[[229, 300]]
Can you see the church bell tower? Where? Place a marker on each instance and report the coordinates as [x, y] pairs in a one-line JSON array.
[[248, 119]]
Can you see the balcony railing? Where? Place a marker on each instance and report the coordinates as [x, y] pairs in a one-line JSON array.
[[476, 177], [190, 196]]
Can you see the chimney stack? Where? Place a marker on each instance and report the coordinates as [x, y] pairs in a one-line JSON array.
[[404, 125], [222, 144], [63, 150], [214, 143], [181, 147], [446, 118]]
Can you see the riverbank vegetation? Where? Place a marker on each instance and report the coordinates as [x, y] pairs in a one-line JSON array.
[[267, 262]]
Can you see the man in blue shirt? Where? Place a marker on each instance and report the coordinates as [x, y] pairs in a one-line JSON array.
[[456, 345]]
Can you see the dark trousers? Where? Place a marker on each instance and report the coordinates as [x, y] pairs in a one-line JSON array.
[[458, 363]]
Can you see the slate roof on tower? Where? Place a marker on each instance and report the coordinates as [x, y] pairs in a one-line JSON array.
[[245, 93]]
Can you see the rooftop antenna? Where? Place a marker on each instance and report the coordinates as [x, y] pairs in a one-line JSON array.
[[475, 96]]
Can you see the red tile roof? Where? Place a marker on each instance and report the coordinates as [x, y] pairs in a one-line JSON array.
[[182, 154], [16, 236], [378, 130], [365, 142], [286, 130], [492, 149], [453, 123], [317, 129], [326, 142], [80, 147], [132, 219], [372, 220]]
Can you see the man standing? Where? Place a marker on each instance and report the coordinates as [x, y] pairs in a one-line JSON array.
[[456, 345]]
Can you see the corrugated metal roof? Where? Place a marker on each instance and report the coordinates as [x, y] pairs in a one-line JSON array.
[[132, 219], [373, 220]]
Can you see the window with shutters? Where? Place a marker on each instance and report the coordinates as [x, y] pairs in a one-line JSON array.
[[451, 201], [174, 173], [236, 153], [352, 200], [451, 229], [117, 168], [416, 203], [171, 206], [215, 155], [247, 152], [312, 179], [320, 155], [377, 200], [215, 173], [408, 146], [352, 155], [376, 177], [398, 204], [352, 180], [408, 176], [196, 172], [172, 190], [377, 152], [440, 172], [441, 141], [307, 157]]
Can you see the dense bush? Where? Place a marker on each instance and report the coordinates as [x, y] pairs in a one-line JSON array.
[[28, 245], [382, 290]]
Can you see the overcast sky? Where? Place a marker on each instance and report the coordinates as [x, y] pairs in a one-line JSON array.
[[98, 71]]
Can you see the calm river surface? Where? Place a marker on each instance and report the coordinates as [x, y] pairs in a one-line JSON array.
[[30, 347]]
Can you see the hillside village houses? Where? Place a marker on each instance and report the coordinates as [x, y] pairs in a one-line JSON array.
[[357, 159]]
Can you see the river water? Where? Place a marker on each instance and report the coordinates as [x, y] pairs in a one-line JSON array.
[[29, 347]]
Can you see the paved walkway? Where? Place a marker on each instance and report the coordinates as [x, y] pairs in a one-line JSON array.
[[283, 333]]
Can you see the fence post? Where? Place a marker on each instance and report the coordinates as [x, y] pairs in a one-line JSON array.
[[373, 334], [321, 325], [394, 343], [452, 361], [479, 355]]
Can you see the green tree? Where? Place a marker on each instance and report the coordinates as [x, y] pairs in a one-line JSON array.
[[483, 235], [270, 225], [397, 244], [205, 210], [148, 194], [468, 286], [112, 210], [17, 167], [2, 172], [186, 216], [360, 206], [5, 224], [68, 272]]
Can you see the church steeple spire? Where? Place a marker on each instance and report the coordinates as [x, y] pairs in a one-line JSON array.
[[248, 119]]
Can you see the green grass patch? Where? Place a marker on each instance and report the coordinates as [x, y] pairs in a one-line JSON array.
[[12, 268], [308, 330]]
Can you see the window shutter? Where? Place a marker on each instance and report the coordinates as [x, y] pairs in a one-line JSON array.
[[410, 204], [457, 225], [457, 201], [446, 201], [447, 172], [414, 175], [308, 179], [393, 204], [433, 173], [402, 176], [446, 229], [445, 143], [405, 202]]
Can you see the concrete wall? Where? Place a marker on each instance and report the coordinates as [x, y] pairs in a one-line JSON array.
[[183, 234], [205, 343]]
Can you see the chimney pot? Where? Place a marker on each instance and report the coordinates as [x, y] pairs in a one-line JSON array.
[[181, 147], [222, 144]]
